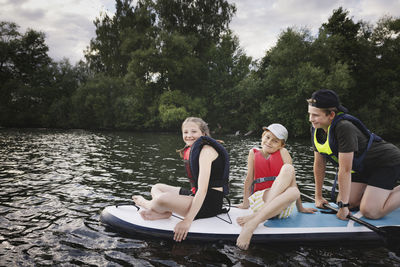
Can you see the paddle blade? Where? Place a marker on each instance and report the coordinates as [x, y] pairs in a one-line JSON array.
[[392, 237]]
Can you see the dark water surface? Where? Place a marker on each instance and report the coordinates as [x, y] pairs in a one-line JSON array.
[[54, 184]]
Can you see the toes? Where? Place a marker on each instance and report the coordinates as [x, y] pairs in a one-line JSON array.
[[242, 246]]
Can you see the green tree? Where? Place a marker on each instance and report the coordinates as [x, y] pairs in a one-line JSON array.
[[66, 80], [169, 46], [9, 38], [175, 106], [385, 80], [93, 103], [290, 77], [371, 55], [107, 52], [24, 76], [343, 35], [290, 72], [348, 42], [227, 100]]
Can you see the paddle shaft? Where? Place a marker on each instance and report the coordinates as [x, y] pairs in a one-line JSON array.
[[351, 217]]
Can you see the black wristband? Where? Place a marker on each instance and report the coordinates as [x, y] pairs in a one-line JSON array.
[[342, 205]]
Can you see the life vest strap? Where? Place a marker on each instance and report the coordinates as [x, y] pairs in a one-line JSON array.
[[261, 180], [329, 148], [226, 210]]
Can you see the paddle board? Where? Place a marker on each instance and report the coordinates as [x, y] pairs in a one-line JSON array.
[[300, 227]]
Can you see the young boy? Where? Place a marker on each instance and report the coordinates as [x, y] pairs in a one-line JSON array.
[[270, 187]]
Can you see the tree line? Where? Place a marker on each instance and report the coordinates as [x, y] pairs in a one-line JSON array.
[[153, 63]]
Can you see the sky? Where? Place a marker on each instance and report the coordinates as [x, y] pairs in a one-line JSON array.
[[68, 24]]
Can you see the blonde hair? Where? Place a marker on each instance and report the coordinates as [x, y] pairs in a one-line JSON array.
[[203, 126]]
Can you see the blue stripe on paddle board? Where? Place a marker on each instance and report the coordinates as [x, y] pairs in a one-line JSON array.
[[318, 219], [298, 219]]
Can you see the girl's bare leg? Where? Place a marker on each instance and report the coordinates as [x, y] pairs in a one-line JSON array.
[[152, 215], [141, 202], [164, 204], [159, 189], [156, 191]]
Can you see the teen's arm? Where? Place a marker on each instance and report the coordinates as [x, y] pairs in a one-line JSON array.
[[344, 180], [319, 176], [207, 156]]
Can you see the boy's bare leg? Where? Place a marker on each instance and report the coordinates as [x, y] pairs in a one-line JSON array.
[[266, 212]]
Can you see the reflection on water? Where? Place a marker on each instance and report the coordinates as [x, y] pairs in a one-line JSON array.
[[54, 185]]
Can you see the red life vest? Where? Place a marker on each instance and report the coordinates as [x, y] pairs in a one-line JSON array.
[[266, 168], [186, 155]]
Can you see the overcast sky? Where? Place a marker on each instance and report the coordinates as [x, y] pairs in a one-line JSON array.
[[68, 24]]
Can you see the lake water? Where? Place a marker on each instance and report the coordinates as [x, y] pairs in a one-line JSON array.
[[55, 183]]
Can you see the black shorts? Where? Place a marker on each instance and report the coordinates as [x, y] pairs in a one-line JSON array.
[[212, 204], [383, 177]]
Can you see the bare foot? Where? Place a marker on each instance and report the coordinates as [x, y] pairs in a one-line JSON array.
[[243, 241], [151, 215], [141, 202], [244, 219]]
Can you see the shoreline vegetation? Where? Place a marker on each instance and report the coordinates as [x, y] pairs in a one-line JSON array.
[[152, 64], [250, 134]]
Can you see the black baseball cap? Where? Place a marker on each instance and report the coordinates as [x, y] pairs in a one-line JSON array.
[[325, 98]]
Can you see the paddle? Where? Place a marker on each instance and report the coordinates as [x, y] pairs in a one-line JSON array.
[[389, 234]]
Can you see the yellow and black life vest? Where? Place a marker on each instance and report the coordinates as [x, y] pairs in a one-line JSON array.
[[329, 148]]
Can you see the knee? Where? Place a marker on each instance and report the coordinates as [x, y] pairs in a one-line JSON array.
[[294, 193], [371, 214], [161, 200], [288, 168], [287, 171], [158, 186]]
